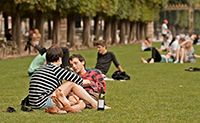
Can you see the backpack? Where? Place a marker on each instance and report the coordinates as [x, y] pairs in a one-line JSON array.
[[118, 75]]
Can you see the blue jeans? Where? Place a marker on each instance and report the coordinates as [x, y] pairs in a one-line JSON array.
[[48, 104]]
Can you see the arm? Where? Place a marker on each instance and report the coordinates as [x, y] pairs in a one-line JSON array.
[[95, 81], [44, 62], [120, 68], [183, 43], [67, 75], [168, 30], [147, 43]]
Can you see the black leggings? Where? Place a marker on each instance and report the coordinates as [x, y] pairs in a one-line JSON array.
[[65, 57], [155, 55]]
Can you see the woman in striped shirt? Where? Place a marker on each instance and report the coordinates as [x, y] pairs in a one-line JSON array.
[[49, 77]]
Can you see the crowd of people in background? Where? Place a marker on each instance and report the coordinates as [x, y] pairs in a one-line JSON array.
[[179, 49]]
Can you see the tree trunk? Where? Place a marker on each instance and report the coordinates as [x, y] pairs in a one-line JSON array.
[[174, 30], [96, 28], [5, 16], [122, 31], [40, 25], [70, 29], [86, 31], [31, 25], [107, 30], [16, 28], [145, 30], [130, 37], [138, 31], [114, 31], [127, 30], [56, 27], [49, 30], [142, 31]]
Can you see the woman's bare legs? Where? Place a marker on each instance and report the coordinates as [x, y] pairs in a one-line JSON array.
[[151, 61], [80, 105], [177, 55], [143, 60], [79, 91], [196, 56], [183, 56]]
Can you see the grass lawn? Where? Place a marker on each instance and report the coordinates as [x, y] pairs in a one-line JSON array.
[[159, 92]]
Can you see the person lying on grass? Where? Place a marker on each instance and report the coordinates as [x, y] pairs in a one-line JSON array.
[[93, 80], [156, 57], [46, 89]]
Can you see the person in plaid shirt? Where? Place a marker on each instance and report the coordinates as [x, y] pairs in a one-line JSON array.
[[93, 80]]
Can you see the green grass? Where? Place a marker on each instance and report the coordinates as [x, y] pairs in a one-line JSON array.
[[153, 94]]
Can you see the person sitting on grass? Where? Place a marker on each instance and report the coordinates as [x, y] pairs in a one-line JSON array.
[[156, 57], [146, 45], [174, 46], [104, 58], [93, 80], [40, 59], [184, 52], [165, 45], [46, 89]]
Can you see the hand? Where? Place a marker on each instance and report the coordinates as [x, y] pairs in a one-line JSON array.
[[86, 82]]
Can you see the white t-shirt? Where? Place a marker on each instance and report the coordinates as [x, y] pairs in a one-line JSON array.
[[164, 27], [174, 46], [165, 44], [143, 46]]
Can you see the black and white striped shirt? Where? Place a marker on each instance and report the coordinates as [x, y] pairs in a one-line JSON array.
[[45, 80]]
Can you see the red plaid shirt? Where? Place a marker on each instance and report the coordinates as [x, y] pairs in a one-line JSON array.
[[96, 80]]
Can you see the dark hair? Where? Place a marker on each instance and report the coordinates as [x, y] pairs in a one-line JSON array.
[[182, 39], [173, 39], [79, 56], [54, 53], [102, 43]]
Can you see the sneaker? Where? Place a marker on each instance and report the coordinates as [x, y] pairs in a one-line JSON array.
[[181, 62], [176, 61]]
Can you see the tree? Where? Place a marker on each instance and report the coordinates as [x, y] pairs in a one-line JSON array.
[[107, 9], [87, 9], [122, 14]]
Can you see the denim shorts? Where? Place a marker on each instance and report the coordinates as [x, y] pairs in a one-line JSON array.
[[48, 104]]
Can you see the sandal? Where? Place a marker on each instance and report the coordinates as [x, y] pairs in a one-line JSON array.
[[10, 110], [54, 110], [189, 69]]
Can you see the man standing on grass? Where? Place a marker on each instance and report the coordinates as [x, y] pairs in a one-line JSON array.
[[93, 79], [165, 29], [104, 58]]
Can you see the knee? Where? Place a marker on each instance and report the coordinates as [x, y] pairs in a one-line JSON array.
[[82, 104]]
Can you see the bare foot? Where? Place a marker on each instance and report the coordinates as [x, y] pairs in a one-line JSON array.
[[71, 110], [62, 98], [152, 61], [57, 102], [143, 60], [72, 100]]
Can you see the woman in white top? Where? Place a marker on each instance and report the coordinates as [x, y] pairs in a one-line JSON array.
[[146, 45]]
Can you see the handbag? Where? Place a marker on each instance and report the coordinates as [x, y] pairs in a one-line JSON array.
[[191, 59]]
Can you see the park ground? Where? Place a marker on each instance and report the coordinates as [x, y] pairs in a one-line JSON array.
[[159, 92]]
